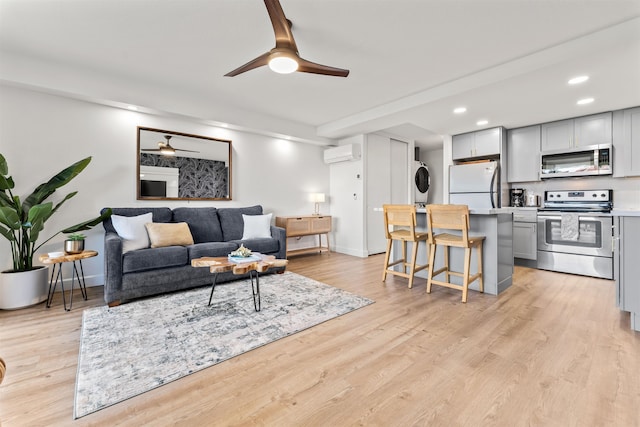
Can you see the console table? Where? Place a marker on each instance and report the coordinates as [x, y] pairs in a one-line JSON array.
[[306, 225]]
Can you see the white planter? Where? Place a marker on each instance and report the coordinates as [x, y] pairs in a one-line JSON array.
[[23, 289]]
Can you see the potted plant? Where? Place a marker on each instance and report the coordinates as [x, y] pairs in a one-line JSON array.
[[21, 222], [74, 243]]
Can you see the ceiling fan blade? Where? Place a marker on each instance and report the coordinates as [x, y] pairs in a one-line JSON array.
[[189, 151], [281, 25], [305, 66], [258, 62]]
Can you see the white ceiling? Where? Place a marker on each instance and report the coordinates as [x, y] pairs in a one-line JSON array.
[[411, 61]]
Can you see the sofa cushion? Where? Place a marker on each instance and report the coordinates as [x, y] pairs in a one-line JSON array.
[[232, 223], [132, 231], [264, 246], [149, 259], [159, 215], [169, 234], [211, 249], [203, 223]]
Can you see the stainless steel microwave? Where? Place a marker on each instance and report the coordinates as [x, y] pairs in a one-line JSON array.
[[581, 161]]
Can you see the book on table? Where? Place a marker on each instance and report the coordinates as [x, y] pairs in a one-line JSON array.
[[255, 257]]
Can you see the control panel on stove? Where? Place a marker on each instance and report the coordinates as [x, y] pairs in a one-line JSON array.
[[579, 196]]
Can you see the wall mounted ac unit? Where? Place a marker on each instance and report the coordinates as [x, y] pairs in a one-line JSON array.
[[342, 153]]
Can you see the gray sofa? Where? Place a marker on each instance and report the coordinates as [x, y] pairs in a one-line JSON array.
[[152, 271]]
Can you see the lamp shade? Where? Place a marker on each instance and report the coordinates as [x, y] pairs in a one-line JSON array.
[[317, 197]]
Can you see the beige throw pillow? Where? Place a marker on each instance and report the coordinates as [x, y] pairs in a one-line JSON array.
[[163, 234]]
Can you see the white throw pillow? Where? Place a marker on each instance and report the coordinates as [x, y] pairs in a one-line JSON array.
[[256, 226], [132, 230]]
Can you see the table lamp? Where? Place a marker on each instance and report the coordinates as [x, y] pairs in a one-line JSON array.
[[317, 198]]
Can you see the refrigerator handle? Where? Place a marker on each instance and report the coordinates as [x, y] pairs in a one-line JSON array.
[[493, 180]]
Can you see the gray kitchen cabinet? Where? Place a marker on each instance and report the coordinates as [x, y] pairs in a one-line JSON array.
[[462, 146], [592, 130], [523, 154], [483, 143], [524, 240], [628, 268], [525, 228], [631, 141], [557, 135], [579, 132]]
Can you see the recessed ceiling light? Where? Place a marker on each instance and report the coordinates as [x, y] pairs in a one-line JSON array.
[[482, 122], [585, 101], [578, 80], [459, 110], [132, 108]]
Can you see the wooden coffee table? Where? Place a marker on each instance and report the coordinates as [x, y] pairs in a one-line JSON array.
[[254, 268]]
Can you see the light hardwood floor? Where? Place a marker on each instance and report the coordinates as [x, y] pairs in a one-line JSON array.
[[553, 350]]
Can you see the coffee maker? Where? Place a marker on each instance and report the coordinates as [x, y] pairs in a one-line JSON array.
[[517, 197]]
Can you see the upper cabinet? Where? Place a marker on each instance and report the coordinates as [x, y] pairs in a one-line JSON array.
[[578, 132], [483, 143], [523, 154], [626, 141]]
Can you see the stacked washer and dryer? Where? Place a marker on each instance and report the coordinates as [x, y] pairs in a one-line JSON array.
[[422, 181]]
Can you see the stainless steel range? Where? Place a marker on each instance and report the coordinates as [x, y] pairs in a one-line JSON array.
[[575, 232]]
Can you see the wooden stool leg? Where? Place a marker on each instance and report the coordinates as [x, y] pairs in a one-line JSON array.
[[404, 256], [481, 277], [414, 257], [465, 278], [432, 259], [446, 264], [386, 260]]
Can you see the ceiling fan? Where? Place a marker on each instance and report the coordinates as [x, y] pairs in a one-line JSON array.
[[166, 148], [284, 58]]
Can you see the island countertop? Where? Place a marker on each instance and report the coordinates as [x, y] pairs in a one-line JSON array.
[[485, 211]]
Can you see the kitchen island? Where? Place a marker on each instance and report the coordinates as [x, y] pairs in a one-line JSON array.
[[497, 226], [626, 267]]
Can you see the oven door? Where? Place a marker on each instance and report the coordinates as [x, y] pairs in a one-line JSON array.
[[594, 236]]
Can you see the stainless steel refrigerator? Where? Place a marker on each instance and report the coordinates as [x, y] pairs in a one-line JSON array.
[[475, 184]]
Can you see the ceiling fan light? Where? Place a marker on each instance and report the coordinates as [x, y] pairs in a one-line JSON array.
[[283, 64], [167, 151]]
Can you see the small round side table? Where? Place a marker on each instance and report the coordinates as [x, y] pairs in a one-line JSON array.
[[57, 262]]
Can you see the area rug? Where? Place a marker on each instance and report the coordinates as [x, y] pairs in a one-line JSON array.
[[133, 348]]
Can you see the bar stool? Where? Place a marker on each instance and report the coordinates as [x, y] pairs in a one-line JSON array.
[[452, 217], [403, 217]]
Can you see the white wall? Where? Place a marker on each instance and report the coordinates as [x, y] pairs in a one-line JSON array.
[[41, 134]]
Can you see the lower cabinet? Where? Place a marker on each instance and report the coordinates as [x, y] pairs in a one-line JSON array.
[[525, 229], [628, 268], [524, 240]]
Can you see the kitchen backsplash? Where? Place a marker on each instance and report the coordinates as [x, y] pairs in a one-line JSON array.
[[626, 191]]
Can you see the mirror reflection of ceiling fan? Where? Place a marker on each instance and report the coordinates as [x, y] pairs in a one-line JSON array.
[[166, 148], [284, 58]]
